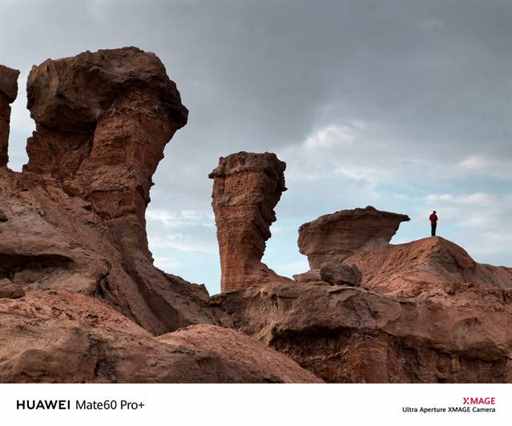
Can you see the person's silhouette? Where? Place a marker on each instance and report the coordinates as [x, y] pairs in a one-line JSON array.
[[433, 223]]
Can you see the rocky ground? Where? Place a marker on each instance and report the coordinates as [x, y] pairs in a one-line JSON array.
[[80, 299]]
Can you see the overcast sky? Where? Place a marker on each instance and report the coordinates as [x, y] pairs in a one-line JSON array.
[[404, 105]]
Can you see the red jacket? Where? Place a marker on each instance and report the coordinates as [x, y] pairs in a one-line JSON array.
[[433, 218]]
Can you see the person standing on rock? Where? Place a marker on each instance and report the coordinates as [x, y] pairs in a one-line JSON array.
[[433, 223]]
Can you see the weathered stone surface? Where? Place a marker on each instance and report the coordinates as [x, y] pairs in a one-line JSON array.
[[251, 360], [8, 290], [334, 237], [76, 213], [8, 93], [60, 336], [429, 264], [309, 276], [347, 334], [340, 274], [246, 189]]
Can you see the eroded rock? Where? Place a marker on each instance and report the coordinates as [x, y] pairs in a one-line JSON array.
[[65, 337], [334, 237], [77, 212], [340, 274], [8, 290], [246, 189], [351, 335], [8, 93]]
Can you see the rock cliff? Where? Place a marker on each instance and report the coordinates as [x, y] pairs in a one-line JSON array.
[[75, 216]]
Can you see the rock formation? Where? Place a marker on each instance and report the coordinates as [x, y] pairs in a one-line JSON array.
[[340, 274], [80, 299], [334, 237], [352, 335], [63, 337], [75, 216], [426, 311], [246, 189], [429, 264], [8, 93]]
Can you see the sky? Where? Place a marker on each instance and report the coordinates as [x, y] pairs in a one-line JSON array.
[[403, 105]]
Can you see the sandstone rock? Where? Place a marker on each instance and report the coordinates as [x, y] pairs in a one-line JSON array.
[[340, 274], [64, 337], [309, 276], [246, 357], [334, 237], [246, 189], [8, 93], [10, 291], [347, 334], [76, 213], [3, 217], [426, 265]]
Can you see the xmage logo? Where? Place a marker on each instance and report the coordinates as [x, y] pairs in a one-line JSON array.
[[479, 400]]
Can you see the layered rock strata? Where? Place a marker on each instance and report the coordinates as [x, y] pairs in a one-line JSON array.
[[334, 237], [246, 189], [352, 335], [64, 337], [75, 216]]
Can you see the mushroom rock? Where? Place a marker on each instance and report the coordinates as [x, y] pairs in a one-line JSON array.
[[334, 237], [8, 93], [76, 213], [246, 189]]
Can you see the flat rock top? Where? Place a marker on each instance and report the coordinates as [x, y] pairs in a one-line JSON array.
[[71, 93], [240, 162], [352, 214], [9, 82]]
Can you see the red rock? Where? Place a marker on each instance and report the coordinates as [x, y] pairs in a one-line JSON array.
[[351, 335], [423, 266], [76, 213], [246, 189], [340, 274], [10, 291], [8, 93], [251, 360], [336, 236], [64, 337]]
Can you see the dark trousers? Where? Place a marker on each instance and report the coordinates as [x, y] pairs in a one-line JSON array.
[[433, 226]]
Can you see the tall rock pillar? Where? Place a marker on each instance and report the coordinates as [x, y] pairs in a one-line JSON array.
[[246, 189]]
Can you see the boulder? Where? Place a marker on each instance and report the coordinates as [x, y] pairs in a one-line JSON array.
[[10, 291], [334, 237], [340, 274]]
